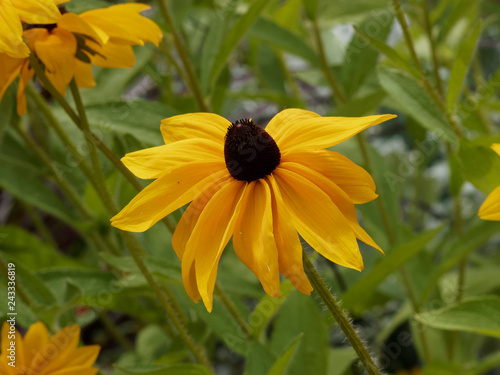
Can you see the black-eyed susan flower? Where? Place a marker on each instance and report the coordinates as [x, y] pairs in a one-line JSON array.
[[259, 187], [67, 49], [15, 12], [490, 209], [38, 353]]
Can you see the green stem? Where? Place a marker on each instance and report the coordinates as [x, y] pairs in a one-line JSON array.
[[114, 331], [233, 311], [429, 88], [136, 251], [184, 56], [339, 315], [339, 96], [40, 225], [428, 31]]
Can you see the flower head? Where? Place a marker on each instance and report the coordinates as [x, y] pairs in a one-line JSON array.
[[259, 187], [37, 353], [15, 12], [67, 49], [490, 209]]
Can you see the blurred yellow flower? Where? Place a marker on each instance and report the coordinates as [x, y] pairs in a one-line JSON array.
[[259, 186], [103, 37], [39, 354], [490, 209], [14, 12]]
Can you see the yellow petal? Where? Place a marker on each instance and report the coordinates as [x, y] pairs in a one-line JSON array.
[[190, 217], [11, 32], [287, 242], [84, 77], [76, 371], [189, 276], [152, 162], [73, 23], [280, 123], [114, 22], [10, 68], [35, 339], [211, 235], [320, 132], [339, 198], [253, 238], [84, 356], [112, 55], [496, 148], [318, 220], [66, 341], [26, 74], [490, 209], [194, 125], [350, 177], [37, 11], [57, 52], [165, 195], [5, 344]]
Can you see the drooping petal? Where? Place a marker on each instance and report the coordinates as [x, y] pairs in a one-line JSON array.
[[280, 123], [338, 197], [253, 238], [36, 338], [37, 11], [211, 235], [350, 177], [75, 24], [57, 52], [490, 209], [323, 132], [11, 32], [114, 20], [26, 74], [190, 217], [152, 162], [318, 220], [194, 125], [112, 55], [10, 68], [287, 242], [165, 195], [84, 77]]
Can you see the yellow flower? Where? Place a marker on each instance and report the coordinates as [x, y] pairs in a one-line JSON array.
[[13, 12], [490, 209], [259, 186], [103, 37], [39, 354]]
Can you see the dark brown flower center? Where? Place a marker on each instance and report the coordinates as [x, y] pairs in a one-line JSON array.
[[250, 152]]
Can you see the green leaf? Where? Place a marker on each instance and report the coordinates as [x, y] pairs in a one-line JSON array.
[[360, 106], [460, 67], [311, 8], [479, 165], [282, 362], [360, 59], [413, 98], [339, 360], [479, 315], [282, 38], [259, 359], [177, 369], [390, 52], [300, 314], [347, 10], [356, 294], [235, 34]]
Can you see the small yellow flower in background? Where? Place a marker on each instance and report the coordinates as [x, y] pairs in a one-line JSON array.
[[259, 187], [39, 354], [103, 37], [490, 209], [14, 12]]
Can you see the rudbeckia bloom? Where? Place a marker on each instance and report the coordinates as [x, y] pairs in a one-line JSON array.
[[259, 187], [103, 37], [490, 209], [13, 12], [39, 354]]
